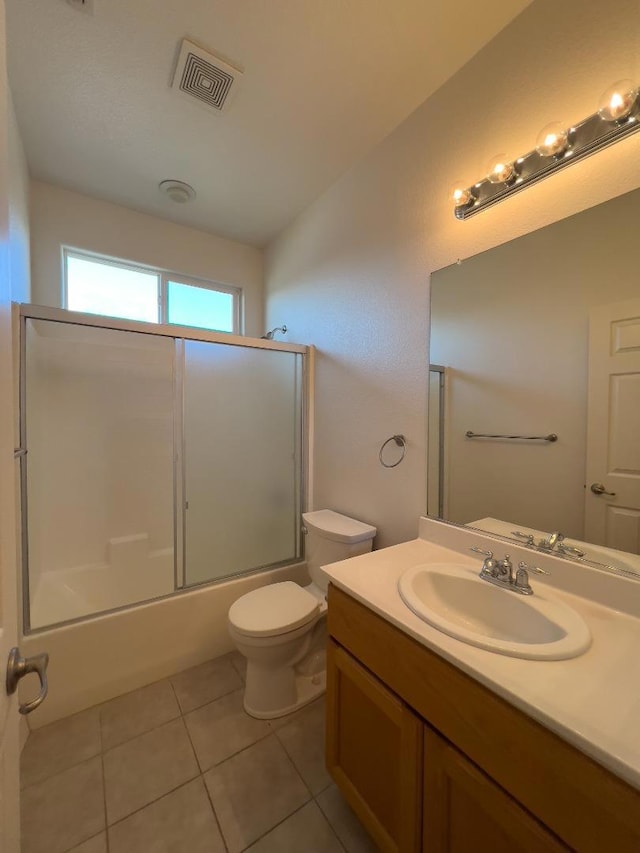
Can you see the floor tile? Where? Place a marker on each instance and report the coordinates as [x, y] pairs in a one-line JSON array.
[[135, 713], [60, 745], [240, 664], [307, 830], [222, 728], [344, 822], [254, 791], [303, 738], [280, 722], [97, 844], [202, 684], [143, 769], [180, 821], [64, 810]]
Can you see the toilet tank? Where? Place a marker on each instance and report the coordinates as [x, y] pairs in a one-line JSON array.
[[332, 537]]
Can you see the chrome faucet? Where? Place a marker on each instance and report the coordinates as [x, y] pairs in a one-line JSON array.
[[551, 541], [500, 572], [554, 541]]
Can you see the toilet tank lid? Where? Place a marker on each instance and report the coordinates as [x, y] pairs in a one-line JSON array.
[[339, 528]]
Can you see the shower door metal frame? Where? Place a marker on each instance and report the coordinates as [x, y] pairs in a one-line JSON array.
[[441, 373], [27, 311]]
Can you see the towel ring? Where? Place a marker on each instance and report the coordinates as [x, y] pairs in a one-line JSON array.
[[401, 441]]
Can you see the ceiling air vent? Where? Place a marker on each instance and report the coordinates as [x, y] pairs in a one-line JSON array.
[[203, 76]]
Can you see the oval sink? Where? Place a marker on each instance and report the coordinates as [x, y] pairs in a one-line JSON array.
[[456, 601]]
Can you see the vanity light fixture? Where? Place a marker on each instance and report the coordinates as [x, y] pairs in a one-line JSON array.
[[557, 145]]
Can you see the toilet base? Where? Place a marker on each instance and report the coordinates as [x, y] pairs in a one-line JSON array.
[[308, 688]]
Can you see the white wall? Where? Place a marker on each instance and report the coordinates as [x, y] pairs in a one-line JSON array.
[[512, 325], [61, 217], [351, 274]]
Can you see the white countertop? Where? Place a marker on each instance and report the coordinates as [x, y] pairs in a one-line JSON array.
[[592, 701]]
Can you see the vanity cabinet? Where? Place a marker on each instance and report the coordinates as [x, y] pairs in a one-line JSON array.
[[465, 810], [431, 760], [374, 752]]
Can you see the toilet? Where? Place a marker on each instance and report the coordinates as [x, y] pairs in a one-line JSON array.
[[281, 628]]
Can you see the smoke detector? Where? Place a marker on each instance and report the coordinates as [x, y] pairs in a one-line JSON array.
[[177, 191], [205, 77]]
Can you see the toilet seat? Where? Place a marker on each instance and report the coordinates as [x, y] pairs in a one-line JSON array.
[[272, 610]]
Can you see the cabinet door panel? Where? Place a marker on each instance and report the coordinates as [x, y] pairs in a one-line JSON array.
[[465, 810], [374, 748]]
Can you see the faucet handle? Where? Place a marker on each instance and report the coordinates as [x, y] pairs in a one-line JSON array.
[[536, 569], [521, 582], [569, 549], [528, 536], [489, 565], [488, 554]]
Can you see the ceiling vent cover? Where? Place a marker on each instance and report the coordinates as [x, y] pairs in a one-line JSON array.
[[203, 76]]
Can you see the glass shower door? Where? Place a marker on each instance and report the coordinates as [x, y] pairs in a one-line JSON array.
[[99, 428], [242, 459]]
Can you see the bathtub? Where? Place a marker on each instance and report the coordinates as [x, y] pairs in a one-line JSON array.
[[64, 594], [110, 654]]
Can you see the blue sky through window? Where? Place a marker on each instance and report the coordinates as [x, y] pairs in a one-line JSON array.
[[199, 307]]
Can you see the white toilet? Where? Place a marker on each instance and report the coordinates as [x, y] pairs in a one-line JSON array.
[[281, 628]]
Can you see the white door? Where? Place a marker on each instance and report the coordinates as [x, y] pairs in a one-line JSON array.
[[9, 737], [612, 509]]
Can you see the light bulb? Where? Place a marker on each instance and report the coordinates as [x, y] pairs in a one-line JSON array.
[[552, 140], [460, 195], [501, 170], [618, 101]]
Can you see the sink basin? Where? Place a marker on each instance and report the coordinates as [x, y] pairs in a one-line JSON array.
[[455, 600]]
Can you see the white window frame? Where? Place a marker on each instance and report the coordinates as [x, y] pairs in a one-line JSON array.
[[164, 277]]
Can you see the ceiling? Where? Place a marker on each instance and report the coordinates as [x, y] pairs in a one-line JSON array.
[[324, 81]]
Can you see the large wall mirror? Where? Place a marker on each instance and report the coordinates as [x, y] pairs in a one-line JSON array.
[[540, 337]]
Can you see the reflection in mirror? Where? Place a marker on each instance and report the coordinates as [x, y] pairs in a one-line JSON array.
[[539, 336]]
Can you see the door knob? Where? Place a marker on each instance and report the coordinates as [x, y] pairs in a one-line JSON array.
[[599, 489], [18, 667]]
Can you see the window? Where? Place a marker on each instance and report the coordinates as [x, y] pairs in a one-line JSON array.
[[97, 285]]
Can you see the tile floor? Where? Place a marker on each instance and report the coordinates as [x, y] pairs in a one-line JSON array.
[[178, 767]]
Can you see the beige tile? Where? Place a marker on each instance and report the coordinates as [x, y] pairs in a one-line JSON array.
[[303, 738], [64, 810], [97, 844], [60, 745], [254, 791], [344, 822], [181, 821], [135, 713], [204, 683], [222, 728], [279, 722], [143, 769], [240, 664], [307, 830]]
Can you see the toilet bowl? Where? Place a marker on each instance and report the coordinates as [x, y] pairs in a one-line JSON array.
[[281, 628]]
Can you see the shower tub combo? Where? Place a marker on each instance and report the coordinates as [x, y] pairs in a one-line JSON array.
[[162, 476]]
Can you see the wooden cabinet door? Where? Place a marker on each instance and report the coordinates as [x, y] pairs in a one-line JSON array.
[[374, 753], [464, 810]]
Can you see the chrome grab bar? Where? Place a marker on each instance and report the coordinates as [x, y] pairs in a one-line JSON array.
[[550, 437]]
